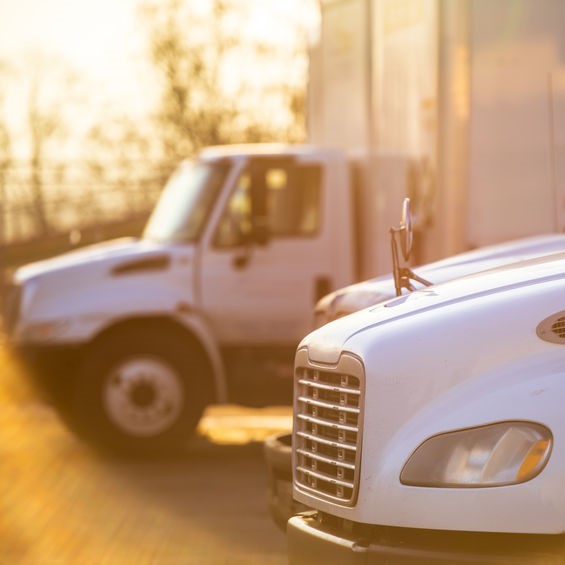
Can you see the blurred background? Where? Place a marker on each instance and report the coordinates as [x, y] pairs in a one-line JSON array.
[[100, 100], [458, 104]]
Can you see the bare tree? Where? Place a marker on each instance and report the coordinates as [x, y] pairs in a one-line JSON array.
[[187, 50], [5, 164], [50, 104], [121, 157], [43, 125], [192, 51]]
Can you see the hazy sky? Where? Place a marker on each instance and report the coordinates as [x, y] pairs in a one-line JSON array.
[[100, 38], [104, 42], [104, 37], [87, 32]]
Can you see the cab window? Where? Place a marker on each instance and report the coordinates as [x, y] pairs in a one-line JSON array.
[[285, 196]]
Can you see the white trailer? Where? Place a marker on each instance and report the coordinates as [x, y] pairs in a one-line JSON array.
[[458, 104]]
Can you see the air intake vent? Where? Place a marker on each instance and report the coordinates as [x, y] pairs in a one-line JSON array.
[[552, 329], [558, 327], [328, 407]]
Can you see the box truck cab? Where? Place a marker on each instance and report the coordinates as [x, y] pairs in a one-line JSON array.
[[139, 335], [429, 428]]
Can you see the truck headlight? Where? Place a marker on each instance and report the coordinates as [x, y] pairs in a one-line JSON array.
[[504, 453]]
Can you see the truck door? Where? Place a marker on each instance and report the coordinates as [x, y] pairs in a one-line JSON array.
[[267, 257]]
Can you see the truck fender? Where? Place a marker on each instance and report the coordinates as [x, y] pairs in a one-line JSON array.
[[194, 327]]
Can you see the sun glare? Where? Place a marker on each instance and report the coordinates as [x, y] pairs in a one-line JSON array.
[[104, 45], [90, 34]]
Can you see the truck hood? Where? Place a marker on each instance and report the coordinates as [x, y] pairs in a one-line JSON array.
[[72, 297], [119, 253], [326, 344]]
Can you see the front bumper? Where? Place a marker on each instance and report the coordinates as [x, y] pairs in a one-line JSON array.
[[318, 538]]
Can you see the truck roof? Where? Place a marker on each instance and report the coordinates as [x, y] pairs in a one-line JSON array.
[[247, 149]]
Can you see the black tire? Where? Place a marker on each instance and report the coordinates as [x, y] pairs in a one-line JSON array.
[[140, 390], [277, 450]]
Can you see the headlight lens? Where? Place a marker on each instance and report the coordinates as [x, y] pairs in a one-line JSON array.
[[499, 454]]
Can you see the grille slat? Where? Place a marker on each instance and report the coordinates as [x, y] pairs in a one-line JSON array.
[[328, 423], [327, 442], [327, 429], [328, 387], [326, 478], [322, 459], [328, 405]]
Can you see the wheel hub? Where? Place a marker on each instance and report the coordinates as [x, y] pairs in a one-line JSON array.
[[143, 396]]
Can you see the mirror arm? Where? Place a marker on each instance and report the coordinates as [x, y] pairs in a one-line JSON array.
[[412, 275], [396, 270], [402, 275]]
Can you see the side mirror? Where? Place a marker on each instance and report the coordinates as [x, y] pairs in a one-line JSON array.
[[405, 230], [259, 235]]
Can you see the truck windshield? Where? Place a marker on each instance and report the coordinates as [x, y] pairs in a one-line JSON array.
[[186, 201]]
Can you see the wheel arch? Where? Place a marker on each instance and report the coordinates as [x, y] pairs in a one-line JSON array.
[[197, 339]]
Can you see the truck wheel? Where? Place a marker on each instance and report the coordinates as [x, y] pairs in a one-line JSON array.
[[140, 391]]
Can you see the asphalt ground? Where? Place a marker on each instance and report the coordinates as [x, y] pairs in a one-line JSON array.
[[63, 503]]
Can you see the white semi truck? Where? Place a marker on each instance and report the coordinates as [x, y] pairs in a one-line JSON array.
[[370, 293], [429, 428]]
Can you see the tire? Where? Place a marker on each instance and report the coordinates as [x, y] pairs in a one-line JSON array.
[[140, 390], [277, 452]]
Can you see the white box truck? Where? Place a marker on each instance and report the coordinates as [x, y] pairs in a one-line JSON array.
[[135, 337]]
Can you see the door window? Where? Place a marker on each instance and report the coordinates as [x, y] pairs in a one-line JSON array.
[[292, 198]]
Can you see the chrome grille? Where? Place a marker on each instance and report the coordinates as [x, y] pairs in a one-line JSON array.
[[327, 429]]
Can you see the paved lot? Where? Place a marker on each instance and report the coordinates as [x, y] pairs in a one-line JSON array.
[[62, 503]]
